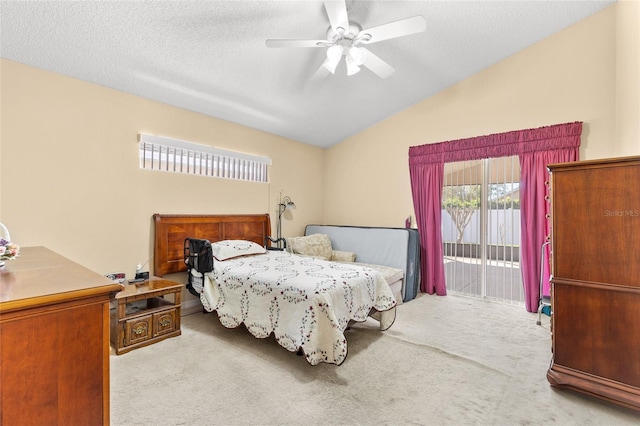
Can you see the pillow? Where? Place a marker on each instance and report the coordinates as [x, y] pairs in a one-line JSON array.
[[316, 245], [343, 256], [229, 249]]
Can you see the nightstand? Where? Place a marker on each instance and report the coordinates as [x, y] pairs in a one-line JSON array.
[[141, 314]]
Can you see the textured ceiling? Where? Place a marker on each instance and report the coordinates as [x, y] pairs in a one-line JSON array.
[[210, 56]]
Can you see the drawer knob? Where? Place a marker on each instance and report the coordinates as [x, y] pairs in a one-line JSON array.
[[140, 329]]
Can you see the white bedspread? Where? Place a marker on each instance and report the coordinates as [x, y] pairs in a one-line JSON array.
[[306, 303]]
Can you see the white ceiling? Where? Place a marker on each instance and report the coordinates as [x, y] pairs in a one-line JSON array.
[[210, 56]]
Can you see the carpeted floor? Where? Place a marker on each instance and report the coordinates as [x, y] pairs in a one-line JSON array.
[[446, 361]]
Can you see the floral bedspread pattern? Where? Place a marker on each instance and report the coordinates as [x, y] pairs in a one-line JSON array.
[[306, 303]]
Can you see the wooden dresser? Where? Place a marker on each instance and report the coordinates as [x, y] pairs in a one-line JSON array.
[[54, 341], [596, 278]]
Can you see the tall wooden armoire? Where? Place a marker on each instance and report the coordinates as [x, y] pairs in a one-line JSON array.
[[596, 278]]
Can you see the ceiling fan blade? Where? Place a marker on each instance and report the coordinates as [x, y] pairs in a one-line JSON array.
[[400, 28], [337, 13], [295, 43], [377, 65]]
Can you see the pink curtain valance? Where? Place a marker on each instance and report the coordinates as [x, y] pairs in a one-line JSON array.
[[548, 138]]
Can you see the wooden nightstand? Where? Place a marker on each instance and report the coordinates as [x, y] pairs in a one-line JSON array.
[[141, 315]]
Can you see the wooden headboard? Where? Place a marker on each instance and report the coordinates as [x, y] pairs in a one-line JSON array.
[[171, 231]]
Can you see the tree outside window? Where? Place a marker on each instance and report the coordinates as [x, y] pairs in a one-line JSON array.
[[462, 201]]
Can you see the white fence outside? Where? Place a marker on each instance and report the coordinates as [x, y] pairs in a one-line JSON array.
[[503, 228]]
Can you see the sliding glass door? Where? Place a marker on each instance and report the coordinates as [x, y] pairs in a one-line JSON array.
[[481, 229]]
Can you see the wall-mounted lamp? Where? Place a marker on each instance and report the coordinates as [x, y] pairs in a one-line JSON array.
[[284, 204]]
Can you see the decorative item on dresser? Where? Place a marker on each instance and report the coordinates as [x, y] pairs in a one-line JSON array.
[[54, 341], [8, 250], [595, 280]]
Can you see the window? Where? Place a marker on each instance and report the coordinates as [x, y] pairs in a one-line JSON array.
[[481, 229], [173, 155]]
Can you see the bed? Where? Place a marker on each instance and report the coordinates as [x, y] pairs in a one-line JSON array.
[[305, 302]]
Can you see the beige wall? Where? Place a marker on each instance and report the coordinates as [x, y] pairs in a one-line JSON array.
[[573, 75], [627, 77], [70, 178]]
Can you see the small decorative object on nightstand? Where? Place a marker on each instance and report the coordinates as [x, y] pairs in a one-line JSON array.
[[141, 315]]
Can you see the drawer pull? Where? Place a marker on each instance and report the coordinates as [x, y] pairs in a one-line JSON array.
[[165, 321], [140, 329]]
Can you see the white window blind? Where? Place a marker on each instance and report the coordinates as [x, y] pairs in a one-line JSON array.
[[174, 155]]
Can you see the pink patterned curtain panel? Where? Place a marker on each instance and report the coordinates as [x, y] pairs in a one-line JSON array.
[[536, 149]]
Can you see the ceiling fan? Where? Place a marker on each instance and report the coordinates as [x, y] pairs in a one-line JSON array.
[[344, 38]]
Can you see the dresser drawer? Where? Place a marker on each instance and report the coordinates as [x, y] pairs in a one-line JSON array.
[[164, 322], [138, 329]]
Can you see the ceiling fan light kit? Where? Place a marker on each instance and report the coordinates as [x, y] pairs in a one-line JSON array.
[[352, 67], [334, 54], [344, 44], [343, 38]]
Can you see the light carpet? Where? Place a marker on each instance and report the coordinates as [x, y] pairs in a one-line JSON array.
[[446, 361]]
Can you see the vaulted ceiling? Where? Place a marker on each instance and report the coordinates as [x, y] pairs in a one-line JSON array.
[[210, 56]]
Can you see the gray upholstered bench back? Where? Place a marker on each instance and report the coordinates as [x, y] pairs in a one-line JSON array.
[[395, 247]]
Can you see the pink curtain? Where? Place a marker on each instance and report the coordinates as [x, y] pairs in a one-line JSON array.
[[536, 149], [534, 219], [426, 187]]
